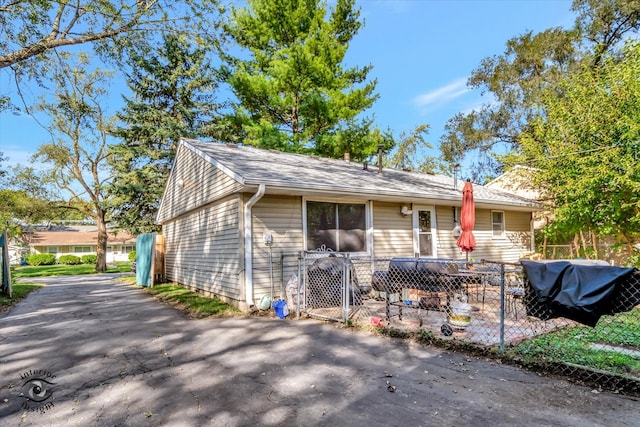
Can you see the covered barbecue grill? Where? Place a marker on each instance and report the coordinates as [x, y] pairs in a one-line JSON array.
[[580, 291]]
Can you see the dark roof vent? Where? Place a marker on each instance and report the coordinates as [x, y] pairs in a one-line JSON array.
[[365, 166]]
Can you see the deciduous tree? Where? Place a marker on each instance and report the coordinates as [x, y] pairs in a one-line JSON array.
[[32, 28], [78, 153], [586, 148], [532, 64]]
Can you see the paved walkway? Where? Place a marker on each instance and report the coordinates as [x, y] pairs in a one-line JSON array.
[[116, 357]]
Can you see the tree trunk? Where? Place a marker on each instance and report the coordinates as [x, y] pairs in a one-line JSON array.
[[585, 247], [101, 248]]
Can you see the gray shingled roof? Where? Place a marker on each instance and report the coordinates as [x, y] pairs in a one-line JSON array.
[[301, 174]]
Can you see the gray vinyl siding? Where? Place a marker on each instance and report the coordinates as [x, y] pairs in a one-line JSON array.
[[203, 249], [511, 247], [446, 242], [195, 183], [282, 216], [392, 231]]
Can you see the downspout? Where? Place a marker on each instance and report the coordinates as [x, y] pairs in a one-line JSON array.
[[248, 246]]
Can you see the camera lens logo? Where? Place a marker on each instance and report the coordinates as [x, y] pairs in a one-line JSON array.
[[37, 390]]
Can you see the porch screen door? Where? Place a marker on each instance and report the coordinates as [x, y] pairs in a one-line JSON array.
[[424, 226]]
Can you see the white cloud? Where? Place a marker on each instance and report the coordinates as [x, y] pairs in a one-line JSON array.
[[441, 95]]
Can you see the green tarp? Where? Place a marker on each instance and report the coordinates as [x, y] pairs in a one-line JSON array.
[[144, 258]]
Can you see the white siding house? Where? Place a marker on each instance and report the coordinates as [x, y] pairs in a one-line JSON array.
[[81, 243], [221, 200]]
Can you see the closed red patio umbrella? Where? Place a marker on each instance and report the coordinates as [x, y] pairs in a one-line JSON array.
[[466, 241]]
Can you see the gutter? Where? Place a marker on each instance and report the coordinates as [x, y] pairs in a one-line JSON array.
[[248, 246]]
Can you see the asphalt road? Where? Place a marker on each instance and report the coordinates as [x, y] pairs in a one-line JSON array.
[[90, 351]]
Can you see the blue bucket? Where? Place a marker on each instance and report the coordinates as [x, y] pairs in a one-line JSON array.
[[280, 307]]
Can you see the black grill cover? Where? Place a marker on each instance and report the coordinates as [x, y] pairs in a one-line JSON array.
[[578, 291]]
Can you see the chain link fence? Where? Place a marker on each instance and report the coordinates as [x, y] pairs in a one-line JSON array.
[[615, 255], [483, 305]]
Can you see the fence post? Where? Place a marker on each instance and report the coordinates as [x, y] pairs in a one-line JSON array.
[[346, 277], [502, 307]]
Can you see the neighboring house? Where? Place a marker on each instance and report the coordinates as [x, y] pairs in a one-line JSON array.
[[222, 202], [519, 180], [69, 242]]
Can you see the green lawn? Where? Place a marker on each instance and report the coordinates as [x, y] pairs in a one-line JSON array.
[[66, 270], [190, 302], [583, 345], [18, 291]]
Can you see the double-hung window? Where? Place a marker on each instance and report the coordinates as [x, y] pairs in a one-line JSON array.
[[339, 227], [497, 223]]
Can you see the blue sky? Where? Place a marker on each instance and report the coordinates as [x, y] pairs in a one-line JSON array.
[[422, 52]]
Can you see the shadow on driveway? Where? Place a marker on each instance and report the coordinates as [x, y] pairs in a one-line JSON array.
[[114, 356]]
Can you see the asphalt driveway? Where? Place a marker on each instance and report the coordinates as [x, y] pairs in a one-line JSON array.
[[90, 351]]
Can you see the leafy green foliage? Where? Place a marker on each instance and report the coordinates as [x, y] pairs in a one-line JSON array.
[[78, 155], [587, 151], [132, 256], [408, 149], [293, 92], [41, 259], [89, 259], [172, 99], [32, 29], [531, 67], [69, 260]]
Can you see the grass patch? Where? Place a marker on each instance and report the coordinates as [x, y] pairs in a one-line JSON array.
[[66, 270], [191, 302], [18, 291], [575, 345]]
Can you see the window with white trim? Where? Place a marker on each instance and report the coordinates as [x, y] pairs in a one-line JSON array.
[[497, 223], [339, 227], [82, 249]]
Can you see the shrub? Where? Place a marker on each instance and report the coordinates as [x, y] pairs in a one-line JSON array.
[[41, 259], [132, 256], [69, 260], [89, 259]]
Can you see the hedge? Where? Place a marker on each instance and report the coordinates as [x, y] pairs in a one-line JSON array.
[[89, 259], [132, 256], [41, 259], [69, 260]]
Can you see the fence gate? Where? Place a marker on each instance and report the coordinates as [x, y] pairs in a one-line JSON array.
[[331, 288]]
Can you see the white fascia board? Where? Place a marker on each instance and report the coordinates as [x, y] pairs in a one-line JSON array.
[[238, 178]]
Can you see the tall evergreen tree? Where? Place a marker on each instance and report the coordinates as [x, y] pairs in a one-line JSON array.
[[292, 87], [173, 97]]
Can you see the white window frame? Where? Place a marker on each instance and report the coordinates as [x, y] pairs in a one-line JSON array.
[[416, 229], [368, 217], [502, 225]]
